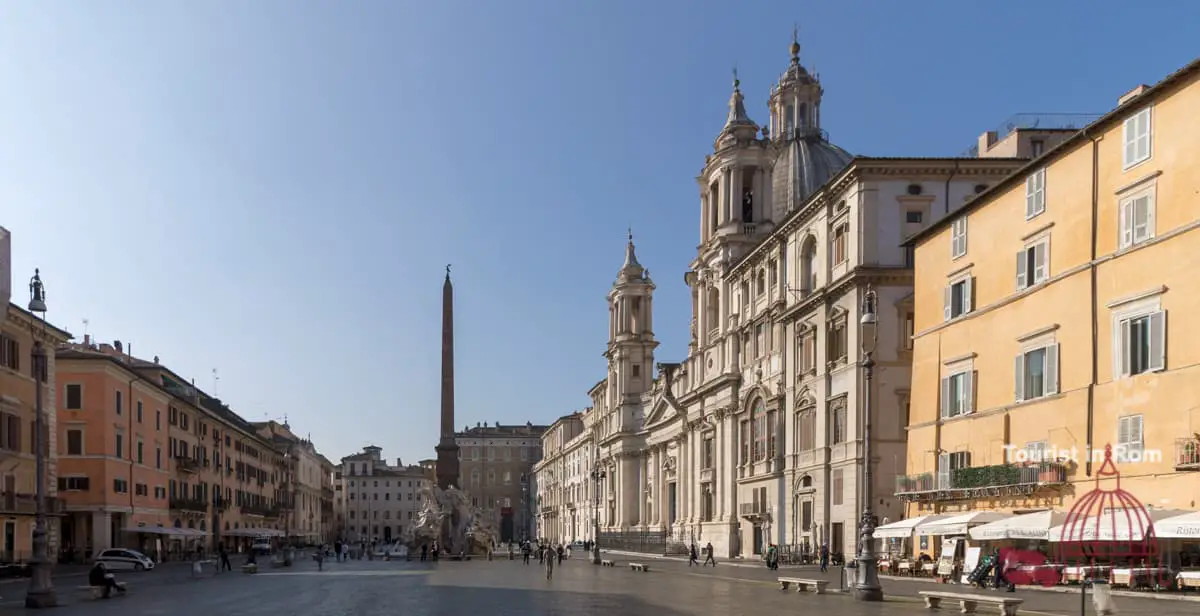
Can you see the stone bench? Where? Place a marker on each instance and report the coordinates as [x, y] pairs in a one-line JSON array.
[[639, 567], [250, 568], [1007, 606], [802, 584]]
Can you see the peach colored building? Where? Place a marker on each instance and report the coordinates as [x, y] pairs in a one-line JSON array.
[[1052, 320], [153, 463], [18, 330]]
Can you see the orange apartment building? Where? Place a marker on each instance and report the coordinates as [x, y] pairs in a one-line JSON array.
[[149, 461], [18, 330]]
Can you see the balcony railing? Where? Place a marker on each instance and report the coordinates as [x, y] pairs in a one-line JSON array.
[[187, 464], [189, 504], [14, 503], [1187, 454], [752, 509], [981, 482], [260, 510]]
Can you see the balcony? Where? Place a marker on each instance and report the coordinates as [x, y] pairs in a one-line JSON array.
[[194, 505], [752, 510], [1000, 480], [187, 464], [1187, 454], [12, 503], [260, 510]]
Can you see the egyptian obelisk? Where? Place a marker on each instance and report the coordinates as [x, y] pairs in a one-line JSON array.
[[447, 447]]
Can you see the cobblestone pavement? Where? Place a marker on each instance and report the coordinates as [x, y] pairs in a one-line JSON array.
[[1063, 601], [500, 588]]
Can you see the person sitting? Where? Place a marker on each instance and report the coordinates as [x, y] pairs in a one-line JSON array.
[[99, 577]]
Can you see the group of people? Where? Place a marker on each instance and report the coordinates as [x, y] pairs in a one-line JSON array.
[[547, 555], [694, 556]]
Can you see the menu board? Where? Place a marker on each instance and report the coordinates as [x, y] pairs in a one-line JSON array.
[[946, 559], [970, 561]]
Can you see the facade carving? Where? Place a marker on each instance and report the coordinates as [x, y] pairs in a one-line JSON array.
[[755, 437]]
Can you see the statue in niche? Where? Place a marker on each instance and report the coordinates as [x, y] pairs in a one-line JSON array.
[[747, 205]]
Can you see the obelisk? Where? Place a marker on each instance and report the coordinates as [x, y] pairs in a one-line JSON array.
[[447, 447]]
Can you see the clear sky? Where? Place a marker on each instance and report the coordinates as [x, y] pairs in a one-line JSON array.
[[273, 188]]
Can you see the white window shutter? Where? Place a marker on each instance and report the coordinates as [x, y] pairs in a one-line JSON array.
[[1126, 223], [1147, 126], [1030, 194], [1123, 349], [1022, 273], [1158, 340], [1130, 139], [968, 404], [1123, 429], [1019, 378], [1051, 368], [943, 478], [968, 294], [1136, 436], [945, 398], [948, 301], [1040, 271]]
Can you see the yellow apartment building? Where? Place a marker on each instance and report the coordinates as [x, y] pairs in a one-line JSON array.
[[1051, 321]]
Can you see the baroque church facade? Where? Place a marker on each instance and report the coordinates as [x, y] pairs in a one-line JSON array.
[[755, 438]]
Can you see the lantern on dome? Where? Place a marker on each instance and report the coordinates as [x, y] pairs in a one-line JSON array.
[[1109, 526]]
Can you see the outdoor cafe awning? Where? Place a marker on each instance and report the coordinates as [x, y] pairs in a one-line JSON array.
[[904, 528]]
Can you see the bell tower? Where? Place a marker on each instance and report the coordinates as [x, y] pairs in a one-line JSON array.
[[631, 340]]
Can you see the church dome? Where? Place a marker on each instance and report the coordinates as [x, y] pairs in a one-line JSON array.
[[812, 160]]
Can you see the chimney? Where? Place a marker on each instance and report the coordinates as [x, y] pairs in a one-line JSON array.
[[1132, 94], [117, 346], [986, 141]]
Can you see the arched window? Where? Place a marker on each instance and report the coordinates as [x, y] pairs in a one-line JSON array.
[[802, 117], [808, 265], [789, 119]]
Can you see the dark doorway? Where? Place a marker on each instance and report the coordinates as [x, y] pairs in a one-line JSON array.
[[387, 534], [671, 500], [835, 546], [506, 525], [758, 539]]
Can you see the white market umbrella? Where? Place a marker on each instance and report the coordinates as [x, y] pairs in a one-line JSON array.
[[1186, 526], [904, 528], [1026, 526], [960, 524]]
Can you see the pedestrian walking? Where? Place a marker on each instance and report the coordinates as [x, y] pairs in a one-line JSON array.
[[224, 566], [693, 557], [824, 558], [549, 567], [708, 559]]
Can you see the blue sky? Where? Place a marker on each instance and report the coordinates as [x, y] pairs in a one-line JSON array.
[[273, 188]]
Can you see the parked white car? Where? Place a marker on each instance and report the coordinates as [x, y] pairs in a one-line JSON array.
[[119, 559]]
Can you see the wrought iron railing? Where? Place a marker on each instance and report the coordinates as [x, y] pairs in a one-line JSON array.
[[649, 542], [1187, 453], [961, 482]]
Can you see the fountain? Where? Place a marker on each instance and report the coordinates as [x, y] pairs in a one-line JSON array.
[[447, 517]]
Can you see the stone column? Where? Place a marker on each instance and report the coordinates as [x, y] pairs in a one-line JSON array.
[[727, 191]]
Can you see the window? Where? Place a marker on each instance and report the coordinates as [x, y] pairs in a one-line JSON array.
[[957, 394], [839, 243], [1142, 343], [807, 349], [759, 417], [1129, 438], [1035, 193], [913, 216], [140, 459], [1032, 264], [73, 484], [837, 422], [10, 353], [119, 401], [806, 516], [839, 486], [910, 325], [806, 430], [958, 237], [74, 396], [772, 435], [1036, 373], [1137, 138], [1037, 147], [707, 452], [745, 436], [947, 464], [838, 340], [158, 420], [120, 445], [1037, 451], [74, 442], [958, 298], [1137, 219], [637, 370]]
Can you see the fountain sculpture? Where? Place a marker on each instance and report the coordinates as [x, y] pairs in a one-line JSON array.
[[447, 517]]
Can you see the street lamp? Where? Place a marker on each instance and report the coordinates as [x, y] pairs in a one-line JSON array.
[[868, 588], [41, 586], [597, 477], [524, 507]]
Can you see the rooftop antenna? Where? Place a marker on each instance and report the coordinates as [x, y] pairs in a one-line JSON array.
[[216, 379], [85, 328]]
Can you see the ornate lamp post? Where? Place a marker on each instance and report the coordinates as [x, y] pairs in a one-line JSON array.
[[41, 585], [524, 508], [597, 477], [868, 588]]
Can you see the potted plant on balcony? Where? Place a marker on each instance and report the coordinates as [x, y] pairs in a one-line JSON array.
[[1047, 472], [1188, 454]]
